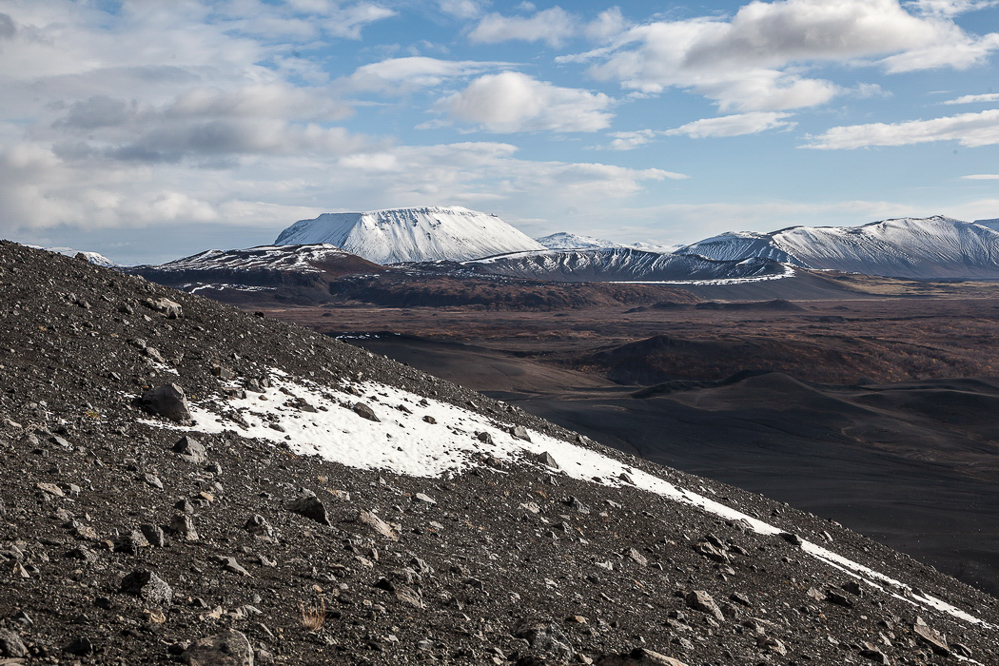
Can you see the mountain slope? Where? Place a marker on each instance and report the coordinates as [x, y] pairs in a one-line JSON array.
[[411, 234], [340, 508], [292, 273], [934, 247], [624, 264]]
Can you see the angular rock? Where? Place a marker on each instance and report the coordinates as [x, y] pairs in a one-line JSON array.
[[365, 412], [308, 505], [131, 543], [378, 525], [934, 639], [520, 432], [148, 586], [154, 535], [190, 450], [11, 644], [183, 526], [171, 309], [169, 402], [702, 601], [231, 648], [636, 557], [638, 657], [258, 525], [81, 646]]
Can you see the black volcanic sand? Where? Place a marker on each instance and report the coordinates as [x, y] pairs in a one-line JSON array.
[[114, 549], [910, 464]]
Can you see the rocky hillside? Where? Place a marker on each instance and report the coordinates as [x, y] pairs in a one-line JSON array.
[[185, 483]]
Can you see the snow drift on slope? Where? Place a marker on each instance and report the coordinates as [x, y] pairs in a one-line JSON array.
[[412, 234], [933, 247]]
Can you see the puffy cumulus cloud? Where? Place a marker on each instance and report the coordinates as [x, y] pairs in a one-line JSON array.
[[752, 61], [514, 102], [550, 25], [632, 140], [968, 129], [734, 125], [402, 75]]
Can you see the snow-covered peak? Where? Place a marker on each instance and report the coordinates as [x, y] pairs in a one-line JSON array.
[[398, 235], [95, 258], [563, 240], [992, 224]]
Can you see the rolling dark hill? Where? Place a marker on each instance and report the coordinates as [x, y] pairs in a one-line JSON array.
[[185, 482]]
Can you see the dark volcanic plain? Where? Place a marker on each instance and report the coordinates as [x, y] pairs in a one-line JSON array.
[[880, 412], [121, 543]]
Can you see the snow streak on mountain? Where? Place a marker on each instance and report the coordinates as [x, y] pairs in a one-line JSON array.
[[933, 247], [623, 264], [412, 234]]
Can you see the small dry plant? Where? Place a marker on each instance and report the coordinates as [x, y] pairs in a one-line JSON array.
[[313, 615]]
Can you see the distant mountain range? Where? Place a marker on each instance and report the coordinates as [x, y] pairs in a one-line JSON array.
[[464, 242], [927, 248]]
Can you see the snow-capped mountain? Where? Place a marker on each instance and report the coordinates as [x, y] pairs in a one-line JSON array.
[[624, 264], [991, 223], [563, 240], [412, 234], [314, 258], [933, 247]]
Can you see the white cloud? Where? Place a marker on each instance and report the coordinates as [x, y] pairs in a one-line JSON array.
[[968, 129], [982, 176], [753, 61], [734, 125], [974, 99], [551, 25], [465, 9], [402, 75], [632, 140], [515, 102], [948, 8]]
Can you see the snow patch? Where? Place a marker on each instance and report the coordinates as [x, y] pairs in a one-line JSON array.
[[404, 441]]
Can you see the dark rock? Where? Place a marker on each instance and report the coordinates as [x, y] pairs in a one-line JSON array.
[[258, 525], [131, 543], [792, 539], [169, 402], [154, 535], [231, 648], [190, 449], [364, 411], [11, 644], [147, 585], [152, 480], [308, 505], [81, 646], [183, 526]]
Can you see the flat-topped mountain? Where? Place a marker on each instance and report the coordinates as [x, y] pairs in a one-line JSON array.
[[397, 235]]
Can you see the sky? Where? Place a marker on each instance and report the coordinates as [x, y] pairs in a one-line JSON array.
[[149, 130]]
